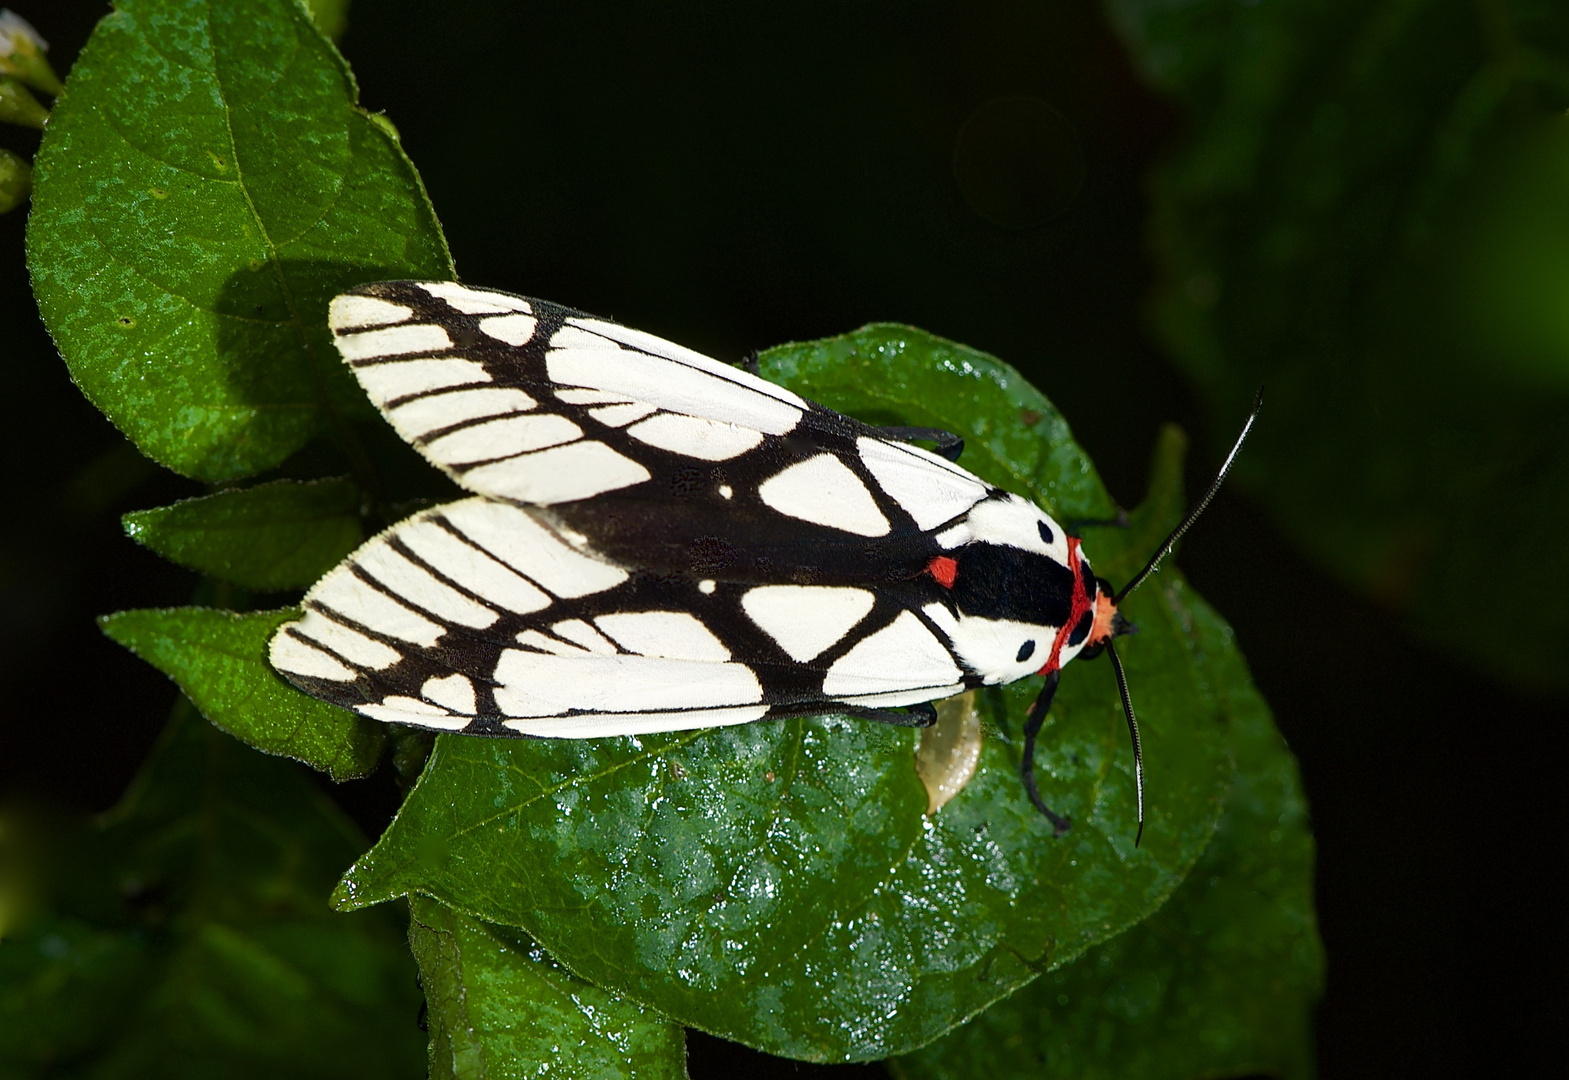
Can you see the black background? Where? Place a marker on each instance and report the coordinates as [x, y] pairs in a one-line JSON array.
[[731, 179]]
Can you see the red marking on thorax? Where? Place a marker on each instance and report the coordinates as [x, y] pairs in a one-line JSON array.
[[1080, 604], [944, 570]]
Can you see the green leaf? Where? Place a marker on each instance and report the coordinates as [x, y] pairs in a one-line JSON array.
[[219, 659], [1369, 219], [188, 935], [1220, 982], [778, 884], [501, 1007], [282, 535], [331, 16], [205, 186]]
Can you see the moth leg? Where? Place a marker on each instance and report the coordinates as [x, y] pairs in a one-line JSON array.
[[749, 363], [949, 445], [1032, 727], [1074, 526], [923, 715]]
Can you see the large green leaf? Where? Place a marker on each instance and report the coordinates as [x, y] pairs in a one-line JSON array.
[[282, 535], [219, 658], [1369, 217], [1219, 982], [778, 884], [188, 935], [500, 1007], [205, 186]]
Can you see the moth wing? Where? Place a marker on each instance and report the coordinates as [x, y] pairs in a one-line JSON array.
[[529, 401], [480, 616]]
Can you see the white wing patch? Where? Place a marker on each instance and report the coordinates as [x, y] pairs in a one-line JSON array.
[[424, 415], [577, 470], [407, 710], [342, 593], [930, 488], [406, 378], [353, 646], [621, 415], [578, 358], [453, 692], [394, 341], [468, 567], [421, 588], [352, 310], [534, 684], [512, 329], [901, 661], [584, 636], [709, 440], [804, 620], [673, 635], [823, 491], [517, 538], [505, 438], [289, 654], [473, 301]]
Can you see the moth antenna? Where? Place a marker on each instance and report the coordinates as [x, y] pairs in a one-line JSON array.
[[1193, 515], [1133, 730]]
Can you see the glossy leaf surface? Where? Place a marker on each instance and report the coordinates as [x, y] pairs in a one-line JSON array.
[[778, 883], [282, 535], [500, 1007], [205, 186], [188, 935], [219, 659], [1221, 981]]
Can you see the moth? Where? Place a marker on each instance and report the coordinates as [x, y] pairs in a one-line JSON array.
[[659, 541]]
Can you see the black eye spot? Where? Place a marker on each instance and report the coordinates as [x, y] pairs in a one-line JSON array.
[[1082, 630], [1025, 652], [1047, 536]]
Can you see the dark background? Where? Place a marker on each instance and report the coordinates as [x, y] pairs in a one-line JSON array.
[[734, 179]]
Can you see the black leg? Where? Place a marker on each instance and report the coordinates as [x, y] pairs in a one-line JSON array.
[[923, 715], [1032, 727], [749, 363], [949, 445]]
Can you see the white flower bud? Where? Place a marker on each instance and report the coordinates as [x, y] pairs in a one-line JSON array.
[[22, 53]]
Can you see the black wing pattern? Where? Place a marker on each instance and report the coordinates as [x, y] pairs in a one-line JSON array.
[[660, 541]]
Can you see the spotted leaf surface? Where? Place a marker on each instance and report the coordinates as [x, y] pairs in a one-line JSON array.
[[205, 186]]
